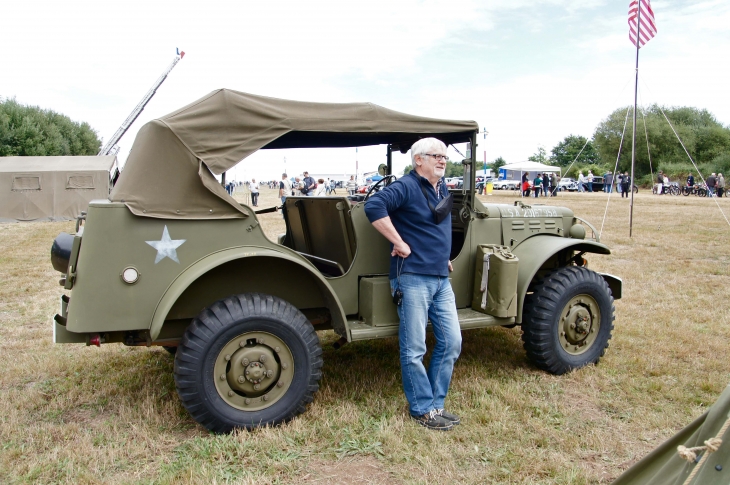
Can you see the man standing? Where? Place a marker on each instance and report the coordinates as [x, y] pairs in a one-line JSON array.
[[720, 185], [581, 182], [553, 184], [625, 184], [284, 189], [309, 185], [408, 214], [351, 185], [297, 187], [254, 193], [659, 183], [589, 180], [711, 183], [608, 182]]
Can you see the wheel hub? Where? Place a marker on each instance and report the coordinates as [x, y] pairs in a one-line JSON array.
[[579, 324], [253, 371]]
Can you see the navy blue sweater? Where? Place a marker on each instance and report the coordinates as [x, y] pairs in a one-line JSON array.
[[430, 243]]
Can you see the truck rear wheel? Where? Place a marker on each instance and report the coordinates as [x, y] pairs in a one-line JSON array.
[[247, 361], [568, 320]]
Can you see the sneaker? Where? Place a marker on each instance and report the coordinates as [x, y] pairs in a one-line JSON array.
[[452, 418], [432, 420]]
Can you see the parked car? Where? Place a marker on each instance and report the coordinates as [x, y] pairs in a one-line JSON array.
[[568, 183], [506, 184]]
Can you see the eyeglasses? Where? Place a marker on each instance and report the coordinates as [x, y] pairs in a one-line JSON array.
[[437, 157]]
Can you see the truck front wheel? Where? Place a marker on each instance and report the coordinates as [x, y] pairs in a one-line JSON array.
[[568, 320], [247, 361]]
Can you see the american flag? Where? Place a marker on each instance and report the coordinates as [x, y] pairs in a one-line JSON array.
[[648, 27]]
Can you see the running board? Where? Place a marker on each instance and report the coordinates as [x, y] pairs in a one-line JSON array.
[[468, 319]]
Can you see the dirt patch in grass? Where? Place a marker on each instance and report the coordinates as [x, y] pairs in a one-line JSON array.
[[358, 471]]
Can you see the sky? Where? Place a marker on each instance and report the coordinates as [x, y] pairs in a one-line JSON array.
[[530, 72]]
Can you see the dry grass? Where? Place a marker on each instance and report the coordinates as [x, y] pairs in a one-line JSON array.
[[71, 414]]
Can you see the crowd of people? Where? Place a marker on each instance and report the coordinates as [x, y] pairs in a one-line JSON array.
[[543, 183]]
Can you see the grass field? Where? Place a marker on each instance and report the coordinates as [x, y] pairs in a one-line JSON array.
[[72, 414]]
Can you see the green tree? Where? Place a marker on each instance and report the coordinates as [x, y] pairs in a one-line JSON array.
[[497, 163], [565, 152], [30, 130], [540, 156], [454, 169], [707, 140]]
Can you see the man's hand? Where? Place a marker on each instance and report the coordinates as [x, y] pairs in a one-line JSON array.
[[385, 227], [451, 268], [401, 249]]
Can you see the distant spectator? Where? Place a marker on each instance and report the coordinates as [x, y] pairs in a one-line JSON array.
[[553, 184], [351, 185], [321, 189], [525, 184], [659, 183], [608, 182], [296, 187], [309, 185], [589, 181], [537, 185], [581, 182], [625, 184], [711, 184], [254, 193], [690, 180], [284, 189], [720, 185]]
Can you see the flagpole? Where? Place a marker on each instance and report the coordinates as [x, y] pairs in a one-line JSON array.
[[633, 137]]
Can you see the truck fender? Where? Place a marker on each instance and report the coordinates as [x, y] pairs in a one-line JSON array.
[[534, 251], [211, 261]]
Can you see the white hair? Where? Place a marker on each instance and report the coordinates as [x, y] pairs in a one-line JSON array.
[[426, 145]]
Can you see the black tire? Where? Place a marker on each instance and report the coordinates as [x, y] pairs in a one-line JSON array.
[[170, 350], [702, 192], [686, 191], [217, 340], [567, 296]]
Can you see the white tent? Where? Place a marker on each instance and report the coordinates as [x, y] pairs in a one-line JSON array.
[[514, 171]]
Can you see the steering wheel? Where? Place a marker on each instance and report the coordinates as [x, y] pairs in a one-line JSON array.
[[385, 181]]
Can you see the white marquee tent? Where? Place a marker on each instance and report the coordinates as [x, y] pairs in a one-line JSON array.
[[514, 171]]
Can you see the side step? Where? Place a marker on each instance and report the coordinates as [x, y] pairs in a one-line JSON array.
[[468, 319]]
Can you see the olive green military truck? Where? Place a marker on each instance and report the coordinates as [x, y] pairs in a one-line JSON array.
[[172, 260]]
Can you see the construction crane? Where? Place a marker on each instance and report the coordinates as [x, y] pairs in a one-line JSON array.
[[111, 148]]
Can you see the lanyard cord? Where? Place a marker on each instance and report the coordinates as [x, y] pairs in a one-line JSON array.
[[399, 268]]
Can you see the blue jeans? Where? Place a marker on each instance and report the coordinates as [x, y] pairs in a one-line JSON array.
[[427, 297]]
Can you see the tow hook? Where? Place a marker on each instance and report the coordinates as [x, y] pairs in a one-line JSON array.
[[95, 339]]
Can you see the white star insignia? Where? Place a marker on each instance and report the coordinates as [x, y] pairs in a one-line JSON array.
[[166, 247]]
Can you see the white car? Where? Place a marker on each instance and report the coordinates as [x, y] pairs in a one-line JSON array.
[[505, 184], [567, 183]]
